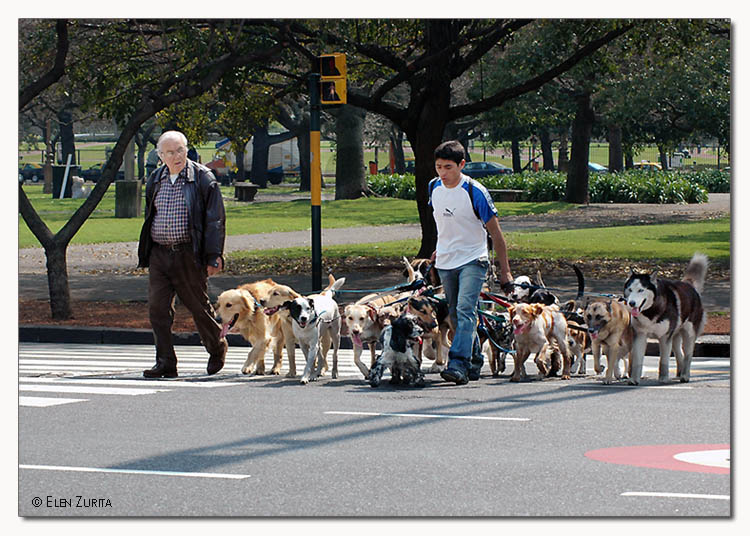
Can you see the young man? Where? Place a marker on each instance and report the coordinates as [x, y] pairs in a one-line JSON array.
[[462, 209]]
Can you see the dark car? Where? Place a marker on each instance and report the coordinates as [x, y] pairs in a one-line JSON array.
[[476, 170], [408, 167], [32, 172], [94, 173]]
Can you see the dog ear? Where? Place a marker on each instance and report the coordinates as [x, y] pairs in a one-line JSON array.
[[653, 277], [539, 280], [247, 300], [286, 305], [609, 306]]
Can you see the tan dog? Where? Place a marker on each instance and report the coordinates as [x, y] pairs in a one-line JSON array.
[[238, 312], [535, 326], [365, 320], [609, 325]]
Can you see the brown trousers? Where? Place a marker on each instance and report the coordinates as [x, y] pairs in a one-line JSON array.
[[173, 272]]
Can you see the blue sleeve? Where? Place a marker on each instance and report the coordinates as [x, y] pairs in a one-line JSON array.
[[483, 202], [433, 184]]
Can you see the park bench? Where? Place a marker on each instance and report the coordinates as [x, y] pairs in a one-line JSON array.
[[245, 191], [505, 194]]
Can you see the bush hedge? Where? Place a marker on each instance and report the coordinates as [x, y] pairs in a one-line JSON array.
[[632, 186]]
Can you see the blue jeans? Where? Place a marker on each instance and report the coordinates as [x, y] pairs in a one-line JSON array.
[[462, 286]]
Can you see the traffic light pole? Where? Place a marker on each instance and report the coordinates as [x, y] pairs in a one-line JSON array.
[[315, 180]]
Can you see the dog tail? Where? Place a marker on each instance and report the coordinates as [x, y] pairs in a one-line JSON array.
[[695, 274], [333, 287]]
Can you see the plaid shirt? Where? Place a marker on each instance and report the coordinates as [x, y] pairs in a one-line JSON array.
[[170, 225]]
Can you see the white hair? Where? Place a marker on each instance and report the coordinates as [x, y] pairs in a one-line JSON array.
[[171, 135]]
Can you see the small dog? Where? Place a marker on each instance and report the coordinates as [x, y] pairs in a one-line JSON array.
[[670, 311], [535, 326], [578, 339], [498, 335], [237, 311], [317, 325], [610, 328], [524, 291], [365, 320], [433, 316], [399, 340]]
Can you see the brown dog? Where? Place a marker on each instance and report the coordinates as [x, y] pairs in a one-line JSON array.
[[609, 325], [535, 326], [434, 319]]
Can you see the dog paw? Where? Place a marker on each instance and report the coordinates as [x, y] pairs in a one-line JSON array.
[[304, 381], [275, 372], [335, 374], [291, 374], [633, 381], [565, 377], [246, 370]]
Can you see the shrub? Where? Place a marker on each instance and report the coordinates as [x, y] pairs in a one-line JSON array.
[[633, 186]]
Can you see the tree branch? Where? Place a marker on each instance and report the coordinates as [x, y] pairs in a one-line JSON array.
[[27, 94]]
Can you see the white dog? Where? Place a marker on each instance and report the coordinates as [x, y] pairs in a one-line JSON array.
[[317, 325]]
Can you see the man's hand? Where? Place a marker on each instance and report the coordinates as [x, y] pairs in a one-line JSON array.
[[213, 270]]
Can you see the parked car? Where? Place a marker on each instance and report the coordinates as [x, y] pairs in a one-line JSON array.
[[409, 167], [648, 166], [476, 170], [94, 173], [32, 172], [597, 168]]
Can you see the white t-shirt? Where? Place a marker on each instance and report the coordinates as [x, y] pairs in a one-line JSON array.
[[461, 234]]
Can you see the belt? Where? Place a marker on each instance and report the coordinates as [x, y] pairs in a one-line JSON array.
[[174, 247]]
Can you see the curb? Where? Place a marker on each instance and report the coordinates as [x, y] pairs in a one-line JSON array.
[[706, 346]]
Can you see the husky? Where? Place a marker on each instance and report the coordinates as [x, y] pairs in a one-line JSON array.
[[670, 311]]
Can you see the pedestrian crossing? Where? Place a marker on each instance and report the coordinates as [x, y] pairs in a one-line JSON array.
[[59, 374]]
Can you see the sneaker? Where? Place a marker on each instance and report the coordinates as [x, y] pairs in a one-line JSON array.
[[455, 372]]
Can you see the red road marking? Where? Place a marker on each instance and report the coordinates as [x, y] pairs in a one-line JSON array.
[[657, 457]]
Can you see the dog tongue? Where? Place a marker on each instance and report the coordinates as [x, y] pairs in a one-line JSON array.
[[224, 330], [270, 310], [594, 334], [634, 311], [356, 340]]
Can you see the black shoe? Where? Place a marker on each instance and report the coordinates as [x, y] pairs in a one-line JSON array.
[[455, 372], [161, 370], [216, 362]]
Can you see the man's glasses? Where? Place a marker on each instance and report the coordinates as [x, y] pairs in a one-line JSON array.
[[171, 154]]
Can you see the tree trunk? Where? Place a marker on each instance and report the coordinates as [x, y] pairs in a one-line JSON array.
[[629, 152], [67, 138], [548, 162], [259, 168], [577, 187], [57, 281], [350, 168], [614, 136], [515, 149], [397, 141], [562, 152], [663, 157]]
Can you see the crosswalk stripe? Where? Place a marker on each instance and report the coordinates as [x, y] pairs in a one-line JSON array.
[[116, 381], [82, 389], [41, 402]]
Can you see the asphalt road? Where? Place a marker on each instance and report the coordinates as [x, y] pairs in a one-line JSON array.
[[231, 445]]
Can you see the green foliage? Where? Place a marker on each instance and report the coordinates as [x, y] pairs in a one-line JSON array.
[[634, 186]]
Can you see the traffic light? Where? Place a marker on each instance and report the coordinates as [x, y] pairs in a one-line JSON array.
[[333, 78]]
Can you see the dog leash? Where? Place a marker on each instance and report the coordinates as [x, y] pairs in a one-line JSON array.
[[537, 287]]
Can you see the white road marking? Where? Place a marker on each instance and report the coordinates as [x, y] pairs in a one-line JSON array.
[[41, 402], [140, 383], [711, 458], [132, 471], [128, 391], [425, 416], [674, 495]]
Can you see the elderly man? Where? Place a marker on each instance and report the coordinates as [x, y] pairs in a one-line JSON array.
[[182, 243]]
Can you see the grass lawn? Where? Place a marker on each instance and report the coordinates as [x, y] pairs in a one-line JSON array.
[[242, 218]]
